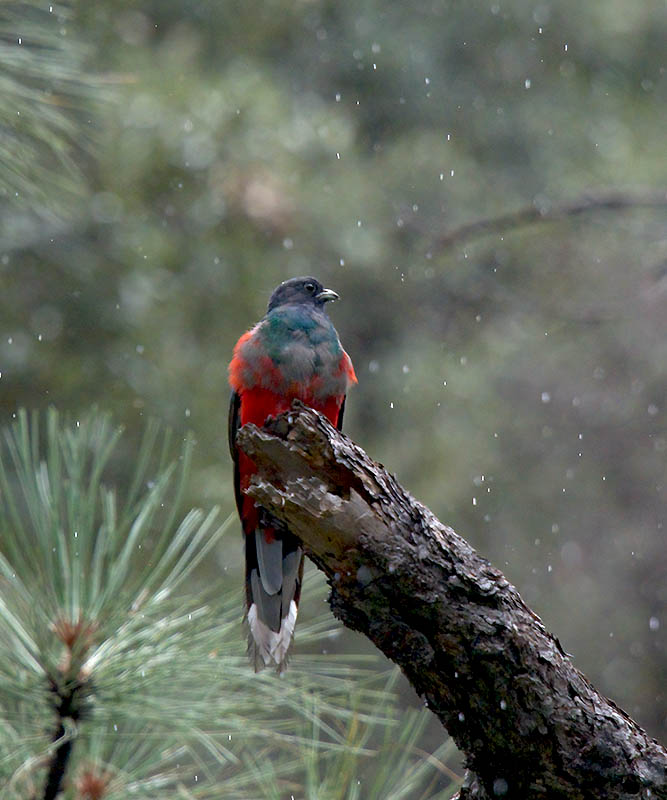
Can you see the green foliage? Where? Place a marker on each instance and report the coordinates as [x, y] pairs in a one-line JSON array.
[[49, 99], [98, 610]]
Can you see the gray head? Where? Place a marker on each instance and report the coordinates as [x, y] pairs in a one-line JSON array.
[[296, 291]]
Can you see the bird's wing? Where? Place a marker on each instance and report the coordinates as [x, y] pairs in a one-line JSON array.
[[339, 421], [234, 423]]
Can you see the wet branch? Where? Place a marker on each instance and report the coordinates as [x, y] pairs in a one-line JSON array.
[[530, 724]]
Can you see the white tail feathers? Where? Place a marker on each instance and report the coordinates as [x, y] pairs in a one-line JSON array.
[[267, 645]]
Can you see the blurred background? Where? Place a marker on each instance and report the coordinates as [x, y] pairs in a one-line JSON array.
[[163, 165]]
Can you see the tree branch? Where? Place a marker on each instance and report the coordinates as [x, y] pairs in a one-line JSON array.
[[67, 701], [530, 724], [593, 201]]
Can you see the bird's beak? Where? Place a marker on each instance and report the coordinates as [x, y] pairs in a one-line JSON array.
[[326, 294]]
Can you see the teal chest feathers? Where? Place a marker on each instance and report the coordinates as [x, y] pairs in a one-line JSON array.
[[297, 351]]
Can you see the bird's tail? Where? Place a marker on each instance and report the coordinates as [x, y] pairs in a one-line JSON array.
[[274, 571]]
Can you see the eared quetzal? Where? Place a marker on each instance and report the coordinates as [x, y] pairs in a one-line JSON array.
[[292, 352]]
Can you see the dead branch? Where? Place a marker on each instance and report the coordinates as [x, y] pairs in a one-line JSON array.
[[592, 201], [530, 723]]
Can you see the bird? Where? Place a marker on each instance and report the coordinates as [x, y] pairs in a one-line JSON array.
[[293, 352]]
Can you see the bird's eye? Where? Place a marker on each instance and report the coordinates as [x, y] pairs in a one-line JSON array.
[[310, 288]]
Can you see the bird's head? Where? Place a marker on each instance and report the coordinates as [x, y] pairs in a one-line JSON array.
[[297, 291]]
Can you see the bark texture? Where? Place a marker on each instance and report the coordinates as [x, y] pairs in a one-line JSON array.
[[529, 723]]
